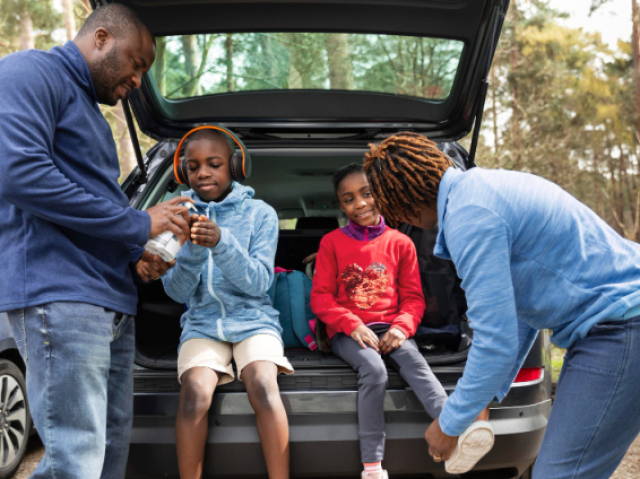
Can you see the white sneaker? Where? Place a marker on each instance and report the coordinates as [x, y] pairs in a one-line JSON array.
[[375, 475], [473, 444]]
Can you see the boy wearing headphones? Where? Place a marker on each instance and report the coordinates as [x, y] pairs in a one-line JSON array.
[[223, 274]]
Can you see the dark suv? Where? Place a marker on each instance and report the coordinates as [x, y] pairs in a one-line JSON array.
[[307, 85]]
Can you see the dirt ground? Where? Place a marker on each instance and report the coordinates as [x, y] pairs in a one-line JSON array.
[[628, 469]]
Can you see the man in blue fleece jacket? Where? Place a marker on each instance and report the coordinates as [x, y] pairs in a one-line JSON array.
[[68, 237]]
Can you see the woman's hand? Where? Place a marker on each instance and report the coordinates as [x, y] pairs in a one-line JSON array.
[[363, 335], [441, 446], [151, 267], [392, 340], [204, 232]]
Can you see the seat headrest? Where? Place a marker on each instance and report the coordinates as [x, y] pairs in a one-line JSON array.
[[317, 223]]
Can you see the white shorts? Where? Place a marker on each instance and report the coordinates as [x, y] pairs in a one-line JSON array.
[[217, 355]]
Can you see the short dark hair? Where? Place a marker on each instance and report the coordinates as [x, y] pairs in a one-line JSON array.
[[212, 135], [342, 173], [119, 20]]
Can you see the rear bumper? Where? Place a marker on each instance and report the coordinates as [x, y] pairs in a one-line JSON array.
[[324, 437]]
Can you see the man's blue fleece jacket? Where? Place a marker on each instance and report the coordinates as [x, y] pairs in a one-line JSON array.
[[67, 232]]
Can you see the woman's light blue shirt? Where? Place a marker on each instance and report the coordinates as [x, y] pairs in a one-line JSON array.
[[530, 257]]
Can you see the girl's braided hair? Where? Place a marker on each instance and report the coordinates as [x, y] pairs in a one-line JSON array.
[[404, 172]]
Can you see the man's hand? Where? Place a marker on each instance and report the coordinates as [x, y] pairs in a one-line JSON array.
[[204, 232], [441, 446], [170, 216], [392, 340], [151, 267], [363, 335]]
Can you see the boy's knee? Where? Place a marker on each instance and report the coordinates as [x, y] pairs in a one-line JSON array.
[[196, 397], [263, 392], [373, 373]]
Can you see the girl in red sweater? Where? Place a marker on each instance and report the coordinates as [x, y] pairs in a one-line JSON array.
[[367, 291]]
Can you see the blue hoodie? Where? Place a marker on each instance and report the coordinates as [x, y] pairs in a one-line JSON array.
[[225, 287], [65, 224]]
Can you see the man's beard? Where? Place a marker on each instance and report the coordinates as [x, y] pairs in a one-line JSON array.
[[106, 78]]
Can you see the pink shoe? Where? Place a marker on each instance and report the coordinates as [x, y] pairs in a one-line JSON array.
[[374, 475]]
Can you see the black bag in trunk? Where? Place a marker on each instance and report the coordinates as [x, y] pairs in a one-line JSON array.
[[444, 321]]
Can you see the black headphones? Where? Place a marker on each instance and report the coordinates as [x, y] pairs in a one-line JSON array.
[[239, 163]]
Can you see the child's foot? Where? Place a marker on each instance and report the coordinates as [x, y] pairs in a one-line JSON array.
[[381, 474], [473, 445]]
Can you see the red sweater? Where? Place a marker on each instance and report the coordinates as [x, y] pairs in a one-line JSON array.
[[358, 282]]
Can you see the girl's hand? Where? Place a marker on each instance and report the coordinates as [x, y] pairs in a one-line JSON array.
[[363, 335], [204, 232], [310, 258], [392, 340]]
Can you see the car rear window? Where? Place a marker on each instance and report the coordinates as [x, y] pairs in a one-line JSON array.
[[208, 64]]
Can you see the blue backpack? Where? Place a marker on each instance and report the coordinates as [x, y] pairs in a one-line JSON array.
[[290, 294]]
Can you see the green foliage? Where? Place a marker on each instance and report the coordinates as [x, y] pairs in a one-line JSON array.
[[561, 105], [204, 64], [43, 16]]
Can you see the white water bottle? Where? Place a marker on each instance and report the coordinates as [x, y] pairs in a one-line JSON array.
[[166, 245]]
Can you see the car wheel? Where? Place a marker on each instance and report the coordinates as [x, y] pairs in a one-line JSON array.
[[15, 421]]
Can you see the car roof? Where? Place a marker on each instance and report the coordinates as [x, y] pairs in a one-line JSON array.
[[362, 116]]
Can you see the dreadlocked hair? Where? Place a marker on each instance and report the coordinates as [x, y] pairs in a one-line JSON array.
[[404, 172]]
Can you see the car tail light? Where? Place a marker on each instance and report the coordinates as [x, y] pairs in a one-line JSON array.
[[526, 375]]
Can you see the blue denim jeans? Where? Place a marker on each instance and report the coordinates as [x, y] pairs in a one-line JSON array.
[[596, 413], [79, 361]]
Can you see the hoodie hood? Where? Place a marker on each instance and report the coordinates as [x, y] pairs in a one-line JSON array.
[[76, 66], [239, 193]]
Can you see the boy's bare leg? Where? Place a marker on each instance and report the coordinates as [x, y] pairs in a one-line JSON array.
[[196, 393], [260, 381]]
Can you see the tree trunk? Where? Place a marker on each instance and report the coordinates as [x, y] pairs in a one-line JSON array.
[[494, 114], [125, 148], [190, 50], [299, 61], [159, 66], [635, 41], [228, 50], [614, 199], [340, 71], [636, 60], [27, 38], [516, 115], [69, 18]]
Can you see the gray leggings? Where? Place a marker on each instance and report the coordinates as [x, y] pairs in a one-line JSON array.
[[372, 385]]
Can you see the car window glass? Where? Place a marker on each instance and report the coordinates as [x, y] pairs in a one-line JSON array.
[[208, 64]]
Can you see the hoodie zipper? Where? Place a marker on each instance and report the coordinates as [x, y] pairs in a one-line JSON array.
[[213, 293]]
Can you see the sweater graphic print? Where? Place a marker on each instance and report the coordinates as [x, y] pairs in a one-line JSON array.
[[365, 287]]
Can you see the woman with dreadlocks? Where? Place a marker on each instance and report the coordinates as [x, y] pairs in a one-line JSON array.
[[530, 257], [367, 291]]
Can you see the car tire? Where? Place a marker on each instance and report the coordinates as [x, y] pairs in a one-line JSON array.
[[15, 420]]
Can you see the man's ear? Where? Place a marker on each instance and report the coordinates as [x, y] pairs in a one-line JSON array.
[[102, 37]]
